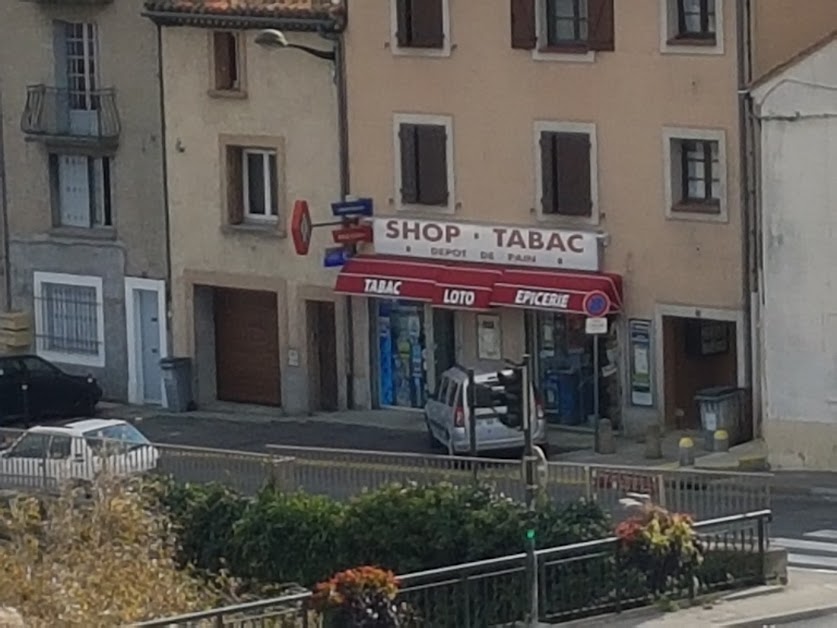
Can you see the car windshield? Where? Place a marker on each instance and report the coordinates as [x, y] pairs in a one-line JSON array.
[[116, 438]]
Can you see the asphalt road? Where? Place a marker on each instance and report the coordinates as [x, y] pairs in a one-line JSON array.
[[828, 621]]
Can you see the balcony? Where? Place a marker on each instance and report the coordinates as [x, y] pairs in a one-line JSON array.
[[69, 117]]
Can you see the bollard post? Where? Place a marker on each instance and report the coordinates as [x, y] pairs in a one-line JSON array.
[[721, 441], [687, 452], [607, 443], [653, 442]]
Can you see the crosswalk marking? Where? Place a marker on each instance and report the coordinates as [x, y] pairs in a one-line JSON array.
[[808, 552]]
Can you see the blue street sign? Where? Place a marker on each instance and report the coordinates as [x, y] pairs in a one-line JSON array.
[[336, 256], [354, 207]]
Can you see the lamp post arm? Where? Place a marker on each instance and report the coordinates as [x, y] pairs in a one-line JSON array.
[[328, 55]]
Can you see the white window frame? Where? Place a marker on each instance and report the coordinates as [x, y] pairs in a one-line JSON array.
[[551, 126], [672, 186], [444, 51], [538, 54], [669, 28], [90, 57], [97, 197], [41, 278], [411, 118], [266, 154]]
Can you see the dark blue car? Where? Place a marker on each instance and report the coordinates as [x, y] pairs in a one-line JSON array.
[[32, 388]]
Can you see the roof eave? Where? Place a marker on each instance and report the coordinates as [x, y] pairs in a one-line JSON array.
[[213, 20]]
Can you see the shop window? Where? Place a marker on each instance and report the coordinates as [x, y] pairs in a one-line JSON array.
[[401, 350]]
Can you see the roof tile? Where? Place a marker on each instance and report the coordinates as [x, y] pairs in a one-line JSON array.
[[297, 9]]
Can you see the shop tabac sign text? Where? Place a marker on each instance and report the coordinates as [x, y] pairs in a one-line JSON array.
[[487, 244]]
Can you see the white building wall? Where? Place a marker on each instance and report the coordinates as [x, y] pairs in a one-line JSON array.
[[798, 110]]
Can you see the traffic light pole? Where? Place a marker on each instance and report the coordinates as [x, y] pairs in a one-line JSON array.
[[529, 462], [472, 420]]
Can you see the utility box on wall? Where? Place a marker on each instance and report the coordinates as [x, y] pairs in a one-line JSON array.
[[15, 332]]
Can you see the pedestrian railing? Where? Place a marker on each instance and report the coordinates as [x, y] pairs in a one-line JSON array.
[[574, 581], [342, 473]]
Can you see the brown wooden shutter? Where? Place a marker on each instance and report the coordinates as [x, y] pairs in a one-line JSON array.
[[548, 173], [404, 31], [602, 25], [409, 163], [222, 41], [428, 29], [523, 34], [573, 180], [432, 140], [235, 185]]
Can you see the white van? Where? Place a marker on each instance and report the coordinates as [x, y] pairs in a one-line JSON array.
[[448, 422]]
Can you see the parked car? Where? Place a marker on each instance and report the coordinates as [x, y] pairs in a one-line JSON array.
[[448, 420], [50, 391], [46, 456]]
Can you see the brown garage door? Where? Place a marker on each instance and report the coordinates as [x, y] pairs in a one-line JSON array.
[[247, 346]]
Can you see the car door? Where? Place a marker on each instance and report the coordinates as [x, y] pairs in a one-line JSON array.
[[11, 395], [60, 463], [50, 390], [23, 464]]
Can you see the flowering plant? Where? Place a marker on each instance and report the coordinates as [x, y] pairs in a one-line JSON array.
[[660, 543], [363, 597]]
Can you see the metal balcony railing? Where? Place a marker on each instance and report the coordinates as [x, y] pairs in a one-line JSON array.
[[59, 113]]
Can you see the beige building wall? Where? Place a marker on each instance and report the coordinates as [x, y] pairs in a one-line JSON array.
[[290, 104], [495, 95], [135, 245]]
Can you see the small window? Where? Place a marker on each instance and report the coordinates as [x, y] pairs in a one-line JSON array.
[[696, 19], [82, 193], [699, 183], [60, 447], [30, 445], [563, 26], [566, 21], [252, 185], [424, 164], [226, 61], [566, 182], [420, 23]]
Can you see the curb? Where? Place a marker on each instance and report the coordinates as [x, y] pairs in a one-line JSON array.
[[808, 613]]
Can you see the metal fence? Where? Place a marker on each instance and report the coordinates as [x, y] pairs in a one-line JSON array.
[[342, 473], [580, 580]]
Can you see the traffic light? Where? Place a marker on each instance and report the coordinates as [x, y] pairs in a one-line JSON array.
[[512, 381]]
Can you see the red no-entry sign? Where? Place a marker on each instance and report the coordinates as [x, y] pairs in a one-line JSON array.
[[301, 227]]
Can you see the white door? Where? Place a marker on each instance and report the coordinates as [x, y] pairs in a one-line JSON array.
[[148, 349]]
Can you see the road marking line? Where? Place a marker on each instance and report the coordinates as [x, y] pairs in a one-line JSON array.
[[812, 561], [811, 546], [822, 534]]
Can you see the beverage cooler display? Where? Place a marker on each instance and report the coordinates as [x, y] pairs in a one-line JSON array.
[[564, 367], [401, 348]]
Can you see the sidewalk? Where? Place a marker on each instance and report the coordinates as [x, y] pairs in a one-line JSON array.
[[809, 594]]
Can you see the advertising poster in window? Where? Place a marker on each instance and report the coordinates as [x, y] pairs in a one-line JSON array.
[[640, 356], [489, 340]]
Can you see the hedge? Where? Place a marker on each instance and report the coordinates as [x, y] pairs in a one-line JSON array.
[[279, 537]]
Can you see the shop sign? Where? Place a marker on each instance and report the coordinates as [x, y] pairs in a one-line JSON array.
[[551, 300], [488, 244], [466, 298], [385, 287], [640, 362]]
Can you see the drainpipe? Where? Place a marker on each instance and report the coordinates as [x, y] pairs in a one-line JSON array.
[[164, 162], [749, 208], [4, 211]]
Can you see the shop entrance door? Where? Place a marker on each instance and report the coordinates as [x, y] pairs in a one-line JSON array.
[[322, 355], [444, 337]]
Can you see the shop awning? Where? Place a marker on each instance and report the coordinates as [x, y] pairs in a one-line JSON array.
[[559, 291], [475, 287]]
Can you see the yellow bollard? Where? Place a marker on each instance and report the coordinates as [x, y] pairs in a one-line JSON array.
[[687, 452], [721, 441]]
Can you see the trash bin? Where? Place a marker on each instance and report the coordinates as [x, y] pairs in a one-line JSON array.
[[177, 380], [720, 409]]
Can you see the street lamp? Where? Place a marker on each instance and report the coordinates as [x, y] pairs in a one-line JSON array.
[[272, 38]]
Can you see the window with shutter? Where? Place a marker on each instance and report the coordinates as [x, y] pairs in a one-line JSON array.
[[573, 26], [424, 164], [226, 62], [523, 27], [82, 188], [235, 185], [566, 182], [420, 23]]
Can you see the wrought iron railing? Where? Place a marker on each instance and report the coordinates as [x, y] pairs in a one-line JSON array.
[[54, 112], [579, 580]]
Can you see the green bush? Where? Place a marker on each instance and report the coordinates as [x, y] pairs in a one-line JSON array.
[[281, 537]]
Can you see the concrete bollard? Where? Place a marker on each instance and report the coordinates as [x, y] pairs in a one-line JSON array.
[[687, 452], [721, 441], [605, 440], [653, 442]]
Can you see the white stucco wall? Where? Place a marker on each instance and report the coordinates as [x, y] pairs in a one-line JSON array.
[[798, 109]]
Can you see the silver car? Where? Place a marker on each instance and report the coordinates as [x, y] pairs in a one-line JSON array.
[[448, 419]]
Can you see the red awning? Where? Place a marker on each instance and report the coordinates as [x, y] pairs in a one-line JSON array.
[[584, 293], [480, 287]]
